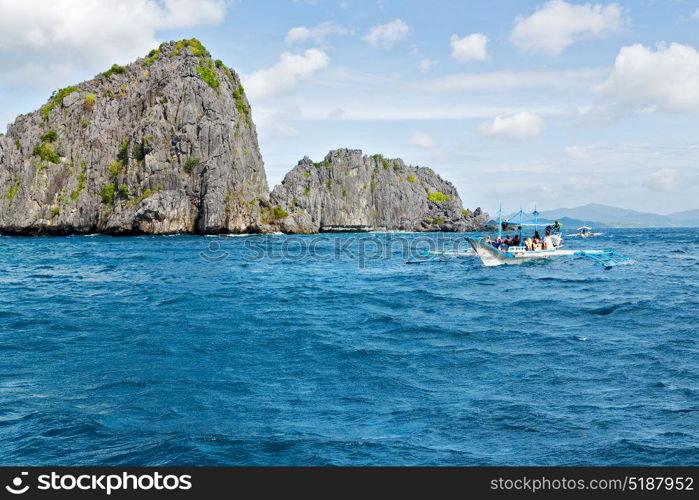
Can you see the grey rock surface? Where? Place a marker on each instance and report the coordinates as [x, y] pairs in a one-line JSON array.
[[163, 145], [351, 190]]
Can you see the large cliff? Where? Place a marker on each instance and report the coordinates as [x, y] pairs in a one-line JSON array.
[[163, 145], [350, 189]]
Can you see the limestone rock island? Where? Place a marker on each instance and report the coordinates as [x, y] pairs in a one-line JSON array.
[[163, 145], [349, 190]]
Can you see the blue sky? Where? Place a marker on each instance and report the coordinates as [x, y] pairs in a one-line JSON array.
[[550, 102]]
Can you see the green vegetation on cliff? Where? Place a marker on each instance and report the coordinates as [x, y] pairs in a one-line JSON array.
[[108, 192], [56, 98], [270, 215], [82, 182], [89, 102], [241, 105], [194, 45], [46, 153], [114, 70], [208, 75], [13, 188], [438, 197], [190, 164], [49, 136]]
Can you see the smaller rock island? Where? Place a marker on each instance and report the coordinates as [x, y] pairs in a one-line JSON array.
[[352, 191]]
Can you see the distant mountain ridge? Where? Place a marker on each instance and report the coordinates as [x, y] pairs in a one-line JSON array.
[[597, 215]]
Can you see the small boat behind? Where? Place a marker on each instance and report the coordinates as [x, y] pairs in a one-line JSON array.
[[585, 232]]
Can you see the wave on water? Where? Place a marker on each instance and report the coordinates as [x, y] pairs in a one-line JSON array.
[[605, 310]]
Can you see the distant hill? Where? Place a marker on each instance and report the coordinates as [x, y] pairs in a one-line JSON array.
[[596, 215], [572, 224], [569, 223], [688, 218]]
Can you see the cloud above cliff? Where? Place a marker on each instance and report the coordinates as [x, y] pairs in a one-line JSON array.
[[285, 75], [473, 47], [46, 42], [316, 34], [646, 80], [559, 24], [421, 140], [517, 127], [385, 36]]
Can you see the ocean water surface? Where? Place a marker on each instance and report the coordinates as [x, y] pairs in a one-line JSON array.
[[278, 350]]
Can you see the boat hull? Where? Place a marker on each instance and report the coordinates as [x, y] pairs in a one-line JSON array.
[[491, 256]]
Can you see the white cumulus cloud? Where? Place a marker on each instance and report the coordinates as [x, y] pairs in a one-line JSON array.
[[46, 42], [559, 24], [472, 47], [387, 35], [646, 80], [421, 140], [286, 73], [517, 127], [317, 34]]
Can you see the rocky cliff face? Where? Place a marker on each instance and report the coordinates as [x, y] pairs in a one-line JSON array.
[[351, 189], [163, 145]]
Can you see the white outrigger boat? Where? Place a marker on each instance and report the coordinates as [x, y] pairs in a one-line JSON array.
[[551, 247], [491, 255]]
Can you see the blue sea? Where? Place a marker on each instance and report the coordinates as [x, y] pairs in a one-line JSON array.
[[330, 350]]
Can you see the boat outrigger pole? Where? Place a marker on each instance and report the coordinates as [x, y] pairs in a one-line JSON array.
[[500, 222], [520, 223], [536, 219]]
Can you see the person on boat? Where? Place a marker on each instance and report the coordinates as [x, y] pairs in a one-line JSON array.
[[488, 240], [548, 242], [548, 231], [504, 245], [515, 241], [529, 244], [556, 226], [537, 241], [498, 242]]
